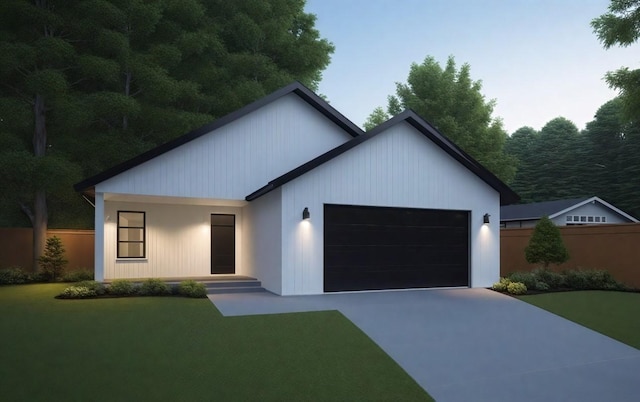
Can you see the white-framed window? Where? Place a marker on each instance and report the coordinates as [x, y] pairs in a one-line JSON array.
[[597, 219], [589, 218], [604, 219], [569, 218], [131, 234]]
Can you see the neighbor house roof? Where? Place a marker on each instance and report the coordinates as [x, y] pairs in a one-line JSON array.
[[295, 88], [507, 196], [536, 210]]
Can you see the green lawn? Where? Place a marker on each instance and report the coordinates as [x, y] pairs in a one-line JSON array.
[[615, 314], [184, 350]]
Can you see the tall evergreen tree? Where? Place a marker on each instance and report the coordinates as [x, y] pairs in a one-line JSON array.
[[88, 83], [450, 100]]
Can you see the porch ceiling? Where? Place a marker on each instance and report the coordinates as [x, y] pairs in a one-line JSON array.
[[154, 199]]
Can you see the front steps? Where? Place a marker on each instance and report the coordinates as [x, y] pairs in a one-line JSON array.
[[248, 285]]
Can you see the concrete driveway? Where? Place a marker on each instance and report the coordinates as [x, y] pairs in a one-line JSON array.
[[474, 344]]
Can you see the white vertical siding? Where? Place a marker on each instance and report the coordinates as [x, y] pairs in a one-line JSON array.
[[398, 168], [263, 241], [237, 158], [178, 240]]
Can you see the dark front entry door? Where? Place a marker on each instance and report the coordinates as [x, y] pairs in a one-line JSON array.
[[223, 244]]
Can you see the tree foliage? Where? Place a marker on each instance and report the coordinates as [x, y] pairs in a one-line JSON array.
[[53, 261], [602, 160], [546, 246], [85, 84], [620, 25], [451, 101]]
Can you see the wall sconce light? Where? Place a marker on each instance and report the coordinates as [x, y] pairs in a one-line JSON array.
[[305, 213], [486, 218]]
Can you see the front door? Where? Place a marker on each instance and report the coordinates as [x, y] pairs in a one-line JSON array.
[[223, 244]]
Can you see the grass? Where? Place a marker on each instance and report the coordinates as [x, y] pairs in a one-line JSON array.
[[171, 348], [615, 314]]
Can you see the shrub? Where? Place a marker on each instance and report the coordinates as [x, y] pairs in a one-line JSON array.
[[527, 278], [546, 244], [591, 280], [501, 286], [192, 289], [77, 276], [14, 276], [554, 280], [154, 287], [77, 292], [122, 287], [542, 286], [97, 287], [52, 261], [517, 288]]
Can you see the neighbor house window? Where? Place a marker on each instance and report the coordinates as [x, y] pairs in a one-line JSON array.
[[131, 234], [569, 218], [597, 219], [604, 219]]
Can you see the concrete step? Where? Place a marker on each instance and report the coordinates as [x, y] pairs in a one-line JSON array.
[[233, 286]]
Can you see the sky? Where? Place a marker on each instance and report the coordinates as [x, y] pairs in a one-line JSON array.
[[538, 59]]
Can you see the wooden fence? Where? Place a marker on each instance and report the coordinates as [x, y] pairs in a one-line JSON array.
[[16, 247], [615, 248]]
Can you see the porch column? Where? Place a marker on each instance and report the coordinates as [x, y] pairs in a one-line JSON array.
[[99, 238]]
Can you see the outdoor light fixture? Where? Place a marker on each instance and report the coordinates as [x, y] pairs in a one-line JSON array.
[[305, 213], [486, 218]]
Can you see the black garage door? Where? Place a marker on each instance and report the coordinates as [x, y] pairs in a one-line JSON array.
[[368, 248]]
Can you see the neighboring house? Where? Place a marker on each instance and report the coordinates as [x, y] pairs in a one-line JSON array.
[[290, 192], [575, 211]]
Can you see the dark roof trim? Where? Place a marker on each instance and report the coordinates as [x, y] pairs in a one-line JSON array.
[[507, 196], [297, 88]]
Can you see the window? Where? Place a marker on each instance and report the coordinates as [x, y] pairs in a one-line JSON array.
[[597, 219], [569, 218], [590, 218], [576, 218], [604, 219], [583, 219], [131, 234]]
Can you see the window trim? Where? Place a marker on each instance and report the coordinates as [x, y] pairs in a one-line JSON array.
[[144, 235]]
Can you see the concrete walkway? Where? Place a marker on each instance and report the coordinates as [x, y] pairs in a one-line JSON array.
[[474, 344]]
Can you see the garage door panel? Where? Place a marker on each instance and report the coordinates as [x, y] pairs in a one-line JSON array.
[[391, 248]]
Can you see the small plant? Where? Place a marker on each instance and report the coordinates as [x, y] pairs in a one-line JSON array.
[[14, 276], [52, 261], [192, 288], [154, 287], [122, 287], [501, 286], [517, 288], [77, 276], [527, 278], [546, 246], [97, 287], [77, 292]]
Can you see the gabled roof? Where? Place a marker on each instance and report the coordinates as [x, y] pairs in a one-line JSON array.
[[537, 210], [295, 88], [507, 196]]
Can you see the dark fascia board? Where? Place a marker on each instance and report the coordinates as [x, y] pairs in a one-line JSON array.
[[296, 87], [507, 196]]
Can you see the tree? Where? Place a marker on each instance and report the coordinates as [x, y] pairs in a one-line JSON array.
[[450, 100], [522, 145], [36, 58], [621, 26], [85, 84], [377, 117], [546, 245], [52, 260]]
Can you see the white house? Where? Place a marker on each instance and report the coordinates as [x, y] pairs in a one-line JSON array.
[[290, 192], [575, 211]]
